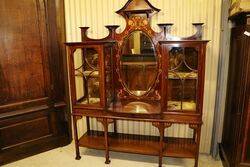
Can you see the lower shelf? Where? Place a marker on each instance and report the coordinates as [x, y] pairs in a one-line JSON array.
[[139, 144]]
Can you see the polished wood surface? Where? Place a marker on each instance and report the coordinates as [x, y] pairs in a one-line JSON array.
[[235, 146], [134, 82], [139, 144], [33, 102]]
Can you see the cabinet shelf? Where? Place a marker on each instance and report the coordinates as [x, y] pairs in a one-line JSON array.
[[176, 105], [90, 74], [182, 75], [139, 144], [92, 100], [139, 63]]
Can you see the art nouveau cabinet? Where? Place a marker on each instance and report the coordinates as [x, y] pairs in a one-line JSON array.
[[138, 75]]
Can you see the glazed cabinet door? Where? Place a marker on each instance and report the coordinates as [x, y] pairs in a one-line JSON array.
[[87, 76], [32, 89], [183, 71]]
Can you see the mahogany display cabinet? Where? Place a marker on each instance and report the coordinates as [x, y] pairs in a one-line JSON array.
[[138, 75]]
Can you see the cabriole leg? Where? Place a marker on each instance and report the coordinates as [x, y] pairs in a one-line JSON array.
[[78, 157]]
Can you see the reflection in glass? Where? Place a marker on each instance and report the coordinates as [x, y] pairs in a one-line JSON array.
[[138, 63], [182, 79], [87, 76]]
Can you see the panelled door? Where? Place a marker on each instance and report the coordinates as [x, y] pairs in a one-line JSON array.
[[33, 104]]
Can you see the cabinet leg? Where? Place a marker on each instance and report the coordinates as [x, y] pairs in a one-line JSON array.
[[197, 140], [115, 126], [161, 130], [196, 162], [88, 124], [105, 124], [78, 157]]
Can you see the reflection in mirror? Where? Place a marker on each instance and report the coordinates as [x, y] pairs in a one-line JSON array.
[[138, 63], [182, 76], [86, 76]]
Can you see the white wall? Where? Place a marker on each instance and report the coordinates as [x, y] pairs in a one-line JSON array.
[[222, 78], [98, 13]]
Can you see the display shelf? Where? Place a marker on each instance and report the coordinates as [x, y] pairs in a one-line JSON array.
[[138, 63], [91, 100], [136, 107], [139, 144], [182, 75], [90, 74], [176, 105]]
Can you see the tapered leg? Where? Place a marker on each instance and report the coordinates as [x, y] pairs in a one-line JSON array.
[[105, 124], [197, 138], [161, 127], [115, 127], [88, 124], [76, 138], [161, 130]]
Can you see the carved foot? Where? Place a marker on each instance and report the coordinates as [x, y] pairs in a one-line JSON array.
[[107, 161], [78, 157]]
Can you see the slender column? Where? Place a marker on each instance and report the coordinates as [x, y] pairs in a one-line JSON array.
[[115, 126], [88, 124], [197, 135], [161, 130], [78, 157], [161, 127], [194, 135], [105, 124]]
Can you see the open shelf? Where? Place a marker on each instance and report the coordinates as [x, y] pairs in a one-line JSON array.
[[139, 144], [135, 107]]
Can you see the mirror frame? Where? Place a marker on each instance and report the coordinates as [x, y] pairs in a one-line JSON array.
[[126, 91]]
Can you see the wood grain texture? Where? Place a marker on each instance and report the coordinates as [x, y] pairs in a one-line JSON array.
[[82, 13], [155, 100], [33, 104], [21, 50]]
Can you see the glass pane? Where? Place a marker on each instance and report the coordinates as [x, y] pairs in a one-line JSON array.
[[138, 63], [87, 76], [182, 79]]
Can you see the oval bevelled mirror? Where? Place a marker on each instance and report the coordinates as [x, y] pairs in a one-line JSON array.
[[138, 63]]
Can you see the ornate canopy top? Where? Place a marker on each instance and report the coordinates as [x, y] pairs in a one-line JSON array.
[[137, 14], [138, 7]]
